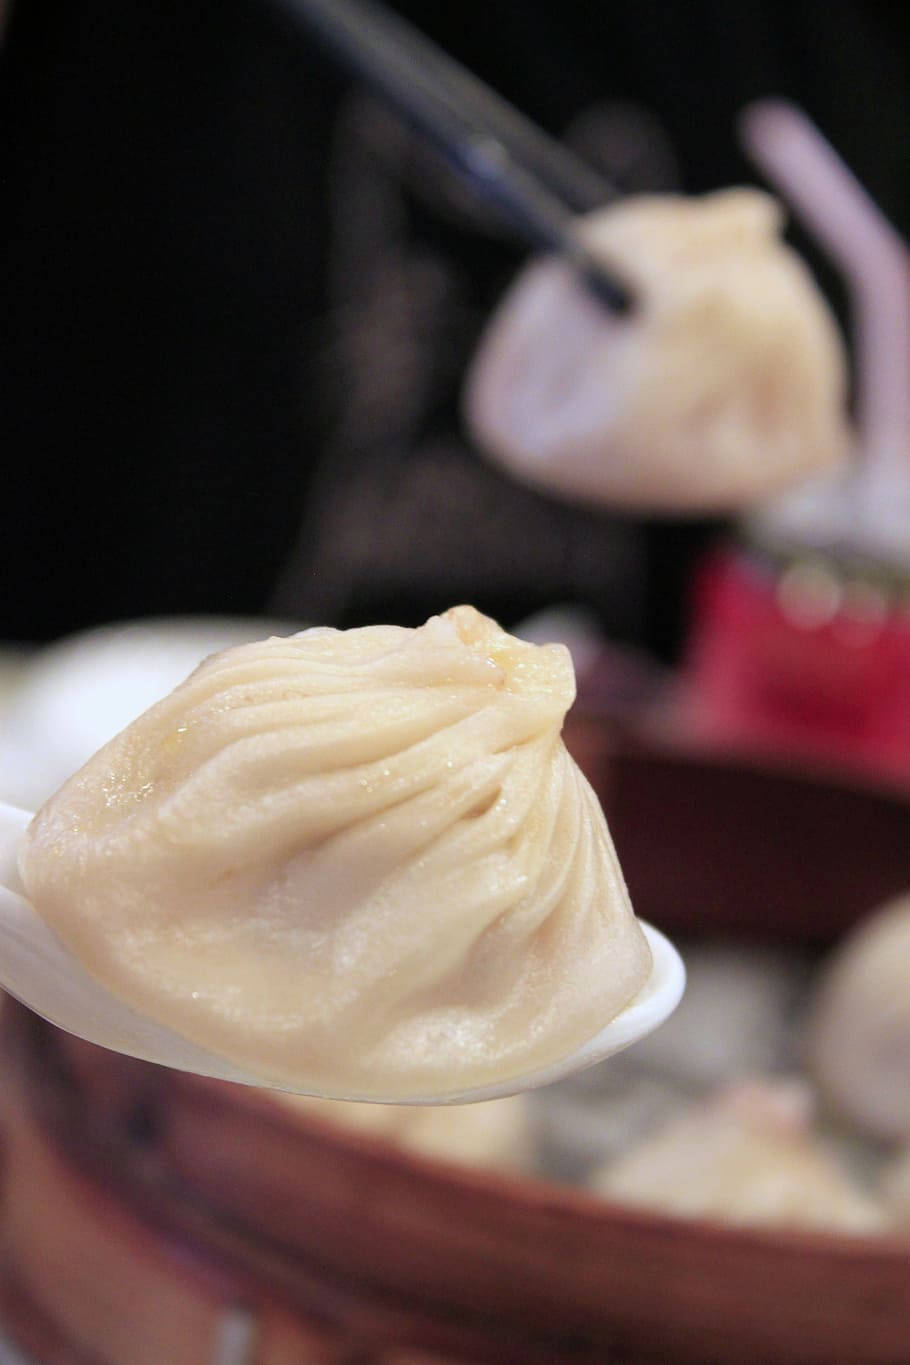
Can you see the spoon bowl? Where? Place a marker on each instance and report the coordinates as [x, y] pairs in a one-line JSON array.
[[40, 971]]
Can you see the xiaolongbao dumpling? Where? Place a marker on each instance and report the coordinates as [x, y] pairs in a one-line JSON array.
[[746, 1156], [726, 384], [896, 1190], [859, 1028], [357, 863]]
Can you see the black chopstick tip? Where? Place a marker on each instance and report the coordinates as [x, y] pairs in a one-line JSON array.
[[597, 276], [607, 289]]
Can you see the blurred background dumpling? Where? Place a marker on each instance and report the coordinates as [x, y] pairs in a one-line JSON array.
[[859, 1025], [896, 1190], [724, 384], [748, 1155]]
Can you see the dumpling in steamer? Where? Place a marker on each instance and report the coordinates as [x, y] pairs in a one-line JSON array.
[[356, 863], [746, 1156], [896, 1191], [725, 384], [859, 1027]]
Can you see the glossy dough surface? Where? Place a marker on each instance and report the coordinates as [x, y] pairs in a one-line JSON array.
[[358, 863], [726, 383]]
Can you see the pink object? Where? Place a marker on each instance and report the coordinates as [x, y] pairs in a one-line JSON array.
[[793, 654], [806, 669]]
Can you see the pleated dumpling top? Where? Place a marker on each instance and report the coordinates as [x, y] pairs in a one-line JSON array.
[[357, 863]]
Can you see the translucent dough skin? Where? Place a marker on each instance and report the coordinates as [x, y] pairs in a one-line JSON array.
[[358, 863], [725, 385]]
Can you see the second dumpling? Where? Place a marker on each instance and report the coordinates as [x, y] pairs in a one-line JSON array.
[[725, 384]]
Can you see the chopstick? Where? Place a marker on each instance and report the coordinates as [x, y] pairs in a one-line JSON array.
[[538, 183]]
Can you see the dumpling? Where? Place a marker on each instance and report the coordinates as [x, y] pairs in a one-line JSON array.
[[859, 1026], [896, 1190], [725, 385], [746, 1156], [495, 1133], [355, 863]]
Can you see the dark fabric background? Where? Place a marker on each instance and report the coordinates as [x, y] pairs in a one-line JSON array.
[[179, 358]]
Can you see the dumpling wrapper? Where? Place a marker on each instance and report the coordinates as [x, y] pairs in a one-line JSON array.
[[859, 1026], [726, 384], [896, 1190], [747, 1156], [355, 863]]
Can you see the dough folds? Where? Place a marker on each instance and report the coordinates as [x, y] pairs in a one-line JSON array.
[[356, 863]]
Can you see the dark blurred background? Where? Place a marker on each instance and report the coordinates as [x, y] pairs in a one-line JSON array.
[[237, 300]]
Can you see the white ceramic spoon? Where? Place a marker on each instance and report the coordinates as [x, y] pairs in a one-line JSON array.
[[39, 970]]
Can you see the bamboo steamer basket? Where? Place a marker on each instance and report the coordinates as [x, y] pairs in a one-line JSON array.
[[152, 1218]]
